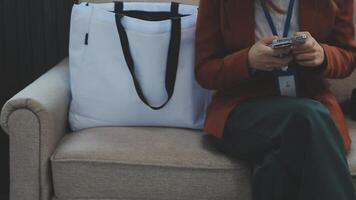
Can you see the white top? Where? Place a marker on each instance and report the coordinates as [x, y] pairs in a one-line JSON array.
[[262, 28]]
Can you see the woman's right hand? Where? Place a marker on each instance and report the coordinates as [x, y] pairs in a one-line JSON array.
[[263, 57]]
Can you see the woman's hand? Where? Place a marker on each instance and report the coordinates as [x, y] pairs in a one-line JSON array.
[[263, 57], [309, 54]]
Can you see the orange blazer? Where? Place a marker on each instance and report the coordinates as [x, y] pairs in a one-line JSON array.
[[226, 31]]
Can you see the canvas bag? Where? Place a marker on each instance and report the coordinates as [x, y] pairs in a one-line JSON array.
[[128, 70]]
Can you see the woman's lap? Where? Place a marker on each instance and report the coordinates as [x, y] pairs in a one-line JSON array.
[[258, 126], [293, 140]]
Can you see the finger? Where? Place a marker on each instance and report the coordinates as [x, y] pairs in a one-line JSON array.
[[295, 52], [308, 45], [275, 64], [274, 67], [308, 39], [282, 51], [278, 52], [307, 63], [268, 40], [279, 61], [268, 68], [272, 64], [304, 57], [302, 33], [265, 67]]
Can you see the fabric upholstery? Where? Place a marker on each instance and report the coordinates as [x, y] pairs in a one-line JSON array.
[[146, 163], [24, 165], [115, 162], [342, 88], [36, 119]]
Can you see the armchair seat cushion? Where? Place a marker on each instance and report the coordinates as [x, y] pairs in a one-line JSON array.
[[145, 163]]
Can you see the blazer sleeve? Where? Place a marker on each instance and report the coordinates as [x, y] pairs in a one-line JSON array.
[[341, 48], [214, 69]]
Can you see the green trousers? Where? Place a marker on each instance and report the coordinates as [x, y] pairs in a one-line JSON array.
[[294, 146]]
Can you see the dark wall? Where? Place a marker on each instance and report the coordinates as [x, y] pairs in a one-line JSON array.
[[33, 38]]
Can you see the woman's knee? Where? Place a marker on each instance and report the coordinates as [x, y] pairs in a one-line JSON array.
[[309, 109], [313, 120]]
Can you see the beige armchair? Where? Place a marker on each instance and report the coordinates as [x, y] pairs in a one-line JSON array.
[[48, 162]]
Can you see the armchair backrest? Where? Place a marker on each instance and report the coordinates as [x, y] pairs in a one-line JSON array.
[[342, 88]]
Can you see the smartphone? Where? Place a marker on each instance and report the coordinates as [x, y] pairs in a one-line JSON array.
[[288, 41]]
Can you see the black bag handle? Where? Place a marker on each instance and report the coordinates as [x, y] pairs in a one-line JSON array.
[[147, 15], [172, 59]]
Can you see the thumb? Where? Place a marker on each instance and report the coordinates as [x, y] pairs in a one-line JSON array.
[[268, 40]]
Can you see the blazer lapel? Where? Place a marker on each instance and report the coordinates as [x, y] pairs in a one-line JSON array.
[[306, 22], [240, 16], [316, 19], [247, 21]]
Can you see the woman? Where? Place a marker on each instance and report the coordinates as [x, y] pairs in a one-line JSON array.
[[295, 134]]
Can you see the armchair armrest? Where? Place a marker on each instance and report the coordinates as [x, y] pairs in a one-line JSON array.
[[36, 119]]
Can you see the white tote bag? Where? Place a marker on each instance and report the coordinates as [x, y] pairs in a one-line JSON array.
[[132, 64]]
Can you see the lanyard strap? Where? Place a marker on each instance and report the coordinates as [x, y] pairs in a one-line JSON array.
[[270, 20]]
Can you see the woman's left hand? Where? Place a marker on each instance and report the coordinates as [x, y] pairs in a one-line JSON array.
[[309, 54]]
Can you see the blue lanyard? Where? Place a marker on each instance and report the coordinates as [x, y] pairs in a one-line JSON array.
[[270, 20]]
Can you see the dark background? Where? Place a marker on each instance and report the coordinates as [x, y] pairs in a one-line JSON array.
[[33, 38]]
